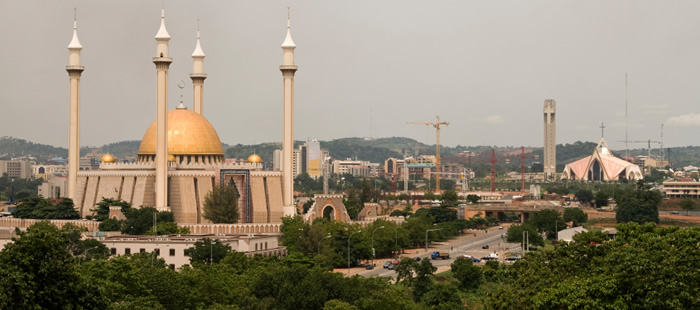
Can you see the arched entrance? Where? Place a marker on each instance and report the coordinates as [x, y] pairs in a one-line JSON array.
[[328, 212]]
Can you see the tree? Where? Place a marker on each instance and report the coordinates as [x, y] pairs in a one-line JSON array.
[[469, 276], [167, 228], [601, 199], [406, 270], [449, 198], [429, 196], [687, 204], [640, 206], [548, 221], [39, 208], [644, 267], [207, 252], [140, 221], [424, 278], [473, 198], [584, 195], [102, 210], [37, 271], [575, 215], [515, 234], [110, 225], [221, 204]]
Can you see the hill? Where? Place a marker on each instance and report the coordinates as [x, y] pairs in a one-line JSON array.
[[373, 150]]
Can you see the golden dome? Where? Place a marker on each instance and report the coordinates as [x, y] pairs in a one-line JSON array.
[[171, 157], [107, 158], [255, 158], [189, 133]]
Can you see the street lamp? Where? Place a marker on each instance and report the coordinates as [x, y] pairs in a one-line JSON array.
[[396, 240], [319, 243], [426, 237], [349, 249], [373, 252]]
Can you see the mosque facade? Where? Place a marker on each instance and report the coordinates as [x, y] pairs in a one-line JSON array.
[[180, 158]]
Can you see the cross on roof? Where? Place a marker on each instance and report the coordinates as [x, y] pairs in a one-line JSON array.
[[602, 129]]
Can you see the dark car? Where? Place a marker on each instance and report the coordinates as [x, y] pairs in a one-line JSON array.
[[489, 258], [417, 259], [387, 264], [513, 258], [391, 267], [369, 267], [476, 260], [485, 246]]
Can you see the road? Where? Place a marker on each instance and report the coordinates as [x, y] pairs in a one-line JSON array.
[[466, 244]]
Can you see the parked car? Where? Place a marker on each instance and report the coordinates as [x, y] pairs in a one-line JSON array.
[[369, 267], [417, 259], [513, 258], [387, 264], [476, 260], [485, 247], [675, 212], [489, 258], [500, 227], [391, 267]]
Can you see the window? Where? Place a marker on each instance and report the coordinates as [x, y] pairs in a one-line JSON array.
[[265, 245], [127, 251], [172, 252], [172, 266], [157, 251], [256, 246], [142, 251], [113, 251]]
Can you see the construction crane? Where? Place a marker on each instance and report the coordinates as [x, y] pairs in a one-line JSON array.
[[435, 125]]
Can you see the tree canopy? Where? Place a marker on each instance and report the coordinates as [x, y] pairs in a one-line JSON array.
[[221, 204], [40, 208], [640, 206]]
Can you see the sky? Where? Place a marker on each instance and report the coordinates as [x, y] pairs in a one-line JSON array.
[[366, 68]]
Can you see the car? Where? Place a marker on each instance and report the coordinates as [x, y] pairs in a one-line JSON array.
[[489, 258], [391, 267], [417, 259], [675, 212], [500, 227], [387, 264], [476, 260], [369, 267], [513, 258], [485, 247], [395, 262]]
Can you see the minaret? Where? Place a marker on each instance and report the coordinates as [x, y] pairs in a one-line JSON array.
[[162, 62], [288, 69], [550, 140], [74, 71], [198, 75]]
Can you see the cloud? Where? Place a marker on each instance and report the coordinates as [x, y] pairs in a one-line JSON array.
[[494, 119], [685, 120]]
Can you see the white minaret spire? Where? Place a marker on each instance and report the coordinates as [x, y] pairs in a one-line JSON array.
[[162, 62], [288, 70], [74, 71], [198, 75]]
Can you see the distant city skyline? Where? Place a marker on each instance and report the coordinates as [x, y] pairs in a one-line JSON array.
[[484, 67]]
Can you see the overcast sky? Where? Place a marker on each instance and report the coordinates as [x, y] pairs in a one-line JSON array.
[[365, 69]]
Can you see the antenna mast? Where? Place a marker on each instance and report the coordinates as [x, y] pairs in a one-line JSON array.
[[626, 139]]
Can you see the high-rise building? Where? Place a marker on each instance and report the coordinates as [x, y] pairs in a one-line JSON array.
[[550, 139]]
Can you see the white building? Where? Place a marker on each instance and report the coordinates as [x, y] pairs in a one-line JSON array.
[[173, 248]]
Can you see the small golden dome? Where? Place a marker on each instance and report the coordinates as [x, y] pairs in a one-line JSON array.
[[255, 158], [171, 157], [107, 158], [189, 133]]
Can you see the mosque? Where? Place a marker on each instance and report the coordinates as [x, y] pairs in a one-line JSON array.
[[180, 158]]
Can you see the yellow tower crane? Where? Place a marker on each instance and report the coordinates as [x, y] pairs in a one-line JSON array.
[[435, 125]]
